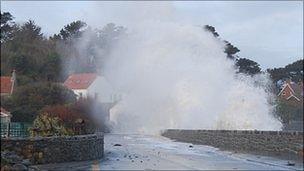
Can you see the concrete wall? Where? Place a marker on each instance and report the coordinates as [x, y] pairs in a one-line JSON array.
[[43, 150], [258, 142]]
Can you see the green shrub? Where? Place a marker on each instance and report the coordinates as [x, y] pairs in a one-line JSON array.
[[46, 125]]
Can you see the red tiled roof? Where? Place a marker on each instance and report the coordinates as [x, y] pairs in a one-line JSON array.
[[80, 81], [4, 111], [6, 84]]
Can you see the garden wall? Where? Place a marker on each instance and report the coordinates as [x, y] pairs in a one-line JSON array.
[[258, 142], [41, 150]]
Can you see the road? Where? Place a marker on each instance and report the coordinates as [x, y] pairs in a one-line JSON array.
[[144, 152]]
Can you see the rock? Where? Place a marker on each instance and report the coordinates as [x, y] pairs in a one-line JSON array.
[[19, 167], [6, 168], [40, 155], [26, 162], [190, 146], [289, 163], [33, 168], [11, 157], [117, 144], [117, 159]]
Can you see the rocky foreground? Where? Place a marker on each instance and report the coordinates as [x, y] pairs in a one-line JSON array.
[[12, 161]]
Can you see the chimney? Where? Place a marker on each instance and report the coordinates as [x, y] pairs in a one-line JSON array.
[[13, 80], [13, 75]]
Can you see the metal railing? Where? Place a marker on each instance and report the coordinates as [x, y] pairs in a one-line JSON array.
[[15, 129]]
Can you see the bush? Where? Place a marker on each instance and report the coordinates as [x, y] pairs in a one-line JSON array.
[[74, 119], [26, 101], [46, 125], [80, 116]]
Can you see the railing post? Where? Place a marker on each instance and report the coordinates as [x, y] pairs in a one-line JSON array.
[[8, 129]]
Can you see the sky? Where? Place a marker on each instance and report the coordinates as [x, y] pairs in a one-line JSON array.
[[268, 32]]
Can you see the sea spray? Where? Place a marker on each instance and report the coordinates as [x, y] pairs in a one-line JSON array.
[[177, 76]]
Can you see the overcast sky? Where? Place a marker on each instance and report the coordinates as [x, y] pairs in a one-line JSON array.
[[269, 32]]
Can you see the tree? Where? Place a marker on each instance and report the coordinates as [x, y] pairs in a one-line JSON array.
[[247, 66], [108, 36], [212, 30], [52, 67], [288, 112], [31, 31], [7, 26], [30, 54], [230, 50], [77, 45], [72, 30], [27, 100], [293, 71], [111, 32]]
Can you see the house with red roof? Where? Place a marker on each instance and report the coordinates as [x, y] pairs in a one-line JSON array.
[[7, 84], [292, 92], [86, 85]]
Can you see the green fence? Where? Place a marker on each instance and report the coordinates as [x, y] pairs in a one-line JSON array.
[[15, 129]]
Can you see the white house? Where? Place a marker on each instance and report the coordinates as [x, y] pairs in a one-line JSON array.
[[92, 85], [5, 116]]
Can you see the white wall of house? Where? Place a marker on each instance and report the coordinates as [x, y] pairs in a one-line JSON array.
[[102, 90], [81, 93], [5, 118]]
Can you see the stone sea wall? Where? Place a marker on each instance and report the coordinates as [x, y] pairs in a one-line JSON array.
[[41, 150], [258, 142]]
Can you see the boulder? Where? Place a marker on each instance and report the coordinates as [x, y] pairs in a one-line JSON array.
[[19, 167]]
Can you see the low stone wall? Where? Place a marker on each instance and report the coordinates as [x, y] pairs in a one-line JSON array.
[[259, 142], [41, 150]]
